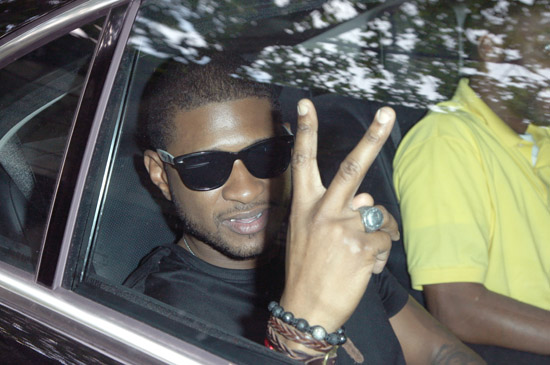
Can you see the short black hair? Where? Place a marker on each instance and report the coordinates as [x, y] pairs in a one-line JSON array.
[[177, 86]]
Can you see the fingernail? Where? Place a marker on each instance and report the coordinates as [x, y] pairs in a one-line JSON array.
[[383, 115], [302, 110]]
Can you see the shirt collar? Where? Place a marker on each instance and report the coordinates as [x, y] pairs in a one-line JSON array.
[[472, 103], [539, 133]]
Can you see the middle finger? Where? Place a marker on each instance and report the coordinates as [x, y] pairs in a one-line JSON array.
[[356, 164]]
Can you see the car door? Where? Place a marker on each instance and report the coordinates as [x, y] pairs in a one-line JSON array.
[[54, 62]]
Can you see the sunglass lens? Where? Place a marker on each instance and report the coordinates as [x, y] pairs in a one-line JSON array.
[[268, 159], [206, 172]]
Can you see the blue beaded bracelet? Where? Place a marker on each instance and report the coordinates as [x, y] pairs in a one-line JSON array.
[[317, 332]]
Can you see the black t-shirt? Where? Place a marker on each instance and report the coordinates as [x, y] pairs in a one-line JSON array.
[[237, 300]]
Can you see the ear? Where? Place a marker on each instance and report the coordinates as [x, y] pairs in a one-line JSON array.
[[489, 50], [155, 168]]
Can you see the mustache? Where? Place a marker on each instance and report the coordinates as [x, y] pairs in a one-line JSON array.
[[238, 208]]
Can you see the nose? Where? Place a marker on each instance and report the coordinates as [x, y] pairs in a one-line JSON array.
[[242, 186]]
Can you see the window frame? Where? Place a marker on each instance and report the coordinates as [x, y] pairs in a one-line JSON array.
[[88, 115], [41, 298]]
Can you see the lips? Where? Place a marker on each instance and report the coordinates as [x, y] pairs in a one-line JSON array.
[[248, 223]]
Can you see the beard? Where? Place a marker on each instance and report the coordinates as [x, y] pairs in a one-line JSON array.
[[245, 249], [538, 111], [530, 97]]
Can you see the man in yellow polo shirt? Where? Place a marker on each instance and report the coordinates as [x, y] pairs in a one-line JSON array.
[[473, 182]]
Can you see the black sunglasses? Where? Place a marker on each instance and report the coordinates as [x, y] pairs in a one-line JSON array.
[[208, 170]]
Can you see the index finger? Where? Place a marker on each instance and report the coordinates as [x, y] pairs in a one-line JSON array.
[[305, 171], [352, 170]]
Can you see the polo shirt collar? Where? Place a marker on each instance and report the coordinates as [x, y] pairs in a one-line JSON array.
[[472, 103]]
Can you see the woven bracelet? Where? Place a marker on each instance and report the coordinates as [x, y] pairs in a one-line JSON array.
[[292, 334], [318, 333], [273, 342]]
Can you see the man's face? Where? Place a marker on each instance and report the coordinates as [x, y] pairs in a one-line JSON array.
[[241, 217], [523, 78], [536, 58]]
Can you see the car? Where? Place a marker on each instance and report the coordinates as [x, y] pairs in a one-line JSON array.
[[77, 210]]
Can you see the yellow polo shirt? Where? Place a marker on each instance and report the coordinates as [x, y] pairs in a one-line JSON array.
[[474, 208]]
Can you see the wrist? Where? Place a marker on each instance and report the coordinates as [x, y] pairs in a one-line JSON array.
[[297, 339], [313, 310]]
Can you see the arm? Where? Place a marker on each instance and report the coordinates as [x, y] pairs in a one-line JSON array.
[[478, 315], [425, 341]]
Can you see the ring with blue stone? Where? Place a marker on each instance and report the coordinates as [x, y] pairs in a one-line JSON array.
[[372, 218]]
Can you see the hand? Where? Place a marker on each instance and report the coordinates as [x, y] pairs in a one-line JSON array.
[[330, 258]]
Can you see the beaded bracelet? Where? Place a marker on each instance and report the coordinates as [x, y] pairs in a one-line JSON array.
[[317, 332]]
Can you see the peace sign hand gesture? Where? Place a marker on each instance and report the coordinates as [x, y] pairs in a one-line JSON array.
[[330, 258]]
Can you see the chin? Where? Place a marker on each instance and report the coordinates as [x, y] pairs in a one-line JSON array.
[[248, 250], [240, 249], [264, 243]]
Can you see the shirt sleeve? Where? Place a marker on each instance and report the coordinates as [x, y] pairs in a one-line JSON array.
[[149, 264], [393, 295], [443, 194]]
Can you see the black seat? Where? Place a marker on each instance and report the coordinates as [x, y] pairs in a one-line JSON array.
[[22, 215], [13, 208]]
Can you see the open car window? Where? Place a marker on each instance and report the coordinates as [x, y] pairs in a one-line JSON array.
[[295, 46], [349, 57]]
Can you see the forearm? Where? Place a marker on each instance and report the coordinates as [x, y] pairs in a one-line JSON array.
[[425, 341], [480, 316]]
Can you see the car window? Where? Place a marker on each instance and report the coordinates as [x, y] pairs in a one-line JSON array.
[[40, 94], [290, 45], [349, 57]]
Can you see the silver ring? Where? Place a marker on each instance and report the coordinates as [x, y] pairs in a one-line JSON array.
[[372, 218]]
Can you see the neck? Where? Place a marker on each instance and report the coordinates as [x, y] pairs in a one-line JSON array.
[[213, 257], [490, 92]]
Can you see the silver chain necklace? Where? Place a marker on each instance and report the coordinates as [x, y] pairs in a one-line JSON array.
[[189, 248]]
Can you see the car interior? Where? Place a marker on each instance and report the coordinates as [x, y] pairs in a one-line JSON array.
[[123, 216], [130, 216], [296, 47]]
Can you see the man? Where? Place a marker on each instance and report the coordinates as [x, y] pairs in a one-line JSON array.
[[232, 191], [473, 182]]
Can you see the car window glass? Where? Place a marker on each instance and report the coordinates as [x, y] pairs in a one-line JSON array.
[[39, 96], [349, 57]]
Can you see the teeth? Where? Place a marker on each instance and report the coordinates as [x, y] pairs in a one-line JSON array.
[[248, 220]]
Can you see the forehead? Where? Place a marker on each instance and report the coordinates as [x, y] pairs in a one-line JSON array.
[[228, 126]]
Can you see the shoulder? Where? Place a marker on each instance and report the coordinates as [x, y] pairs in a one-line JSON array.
[[446, 120], [447, 130], [393, 295], [148, 265]]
